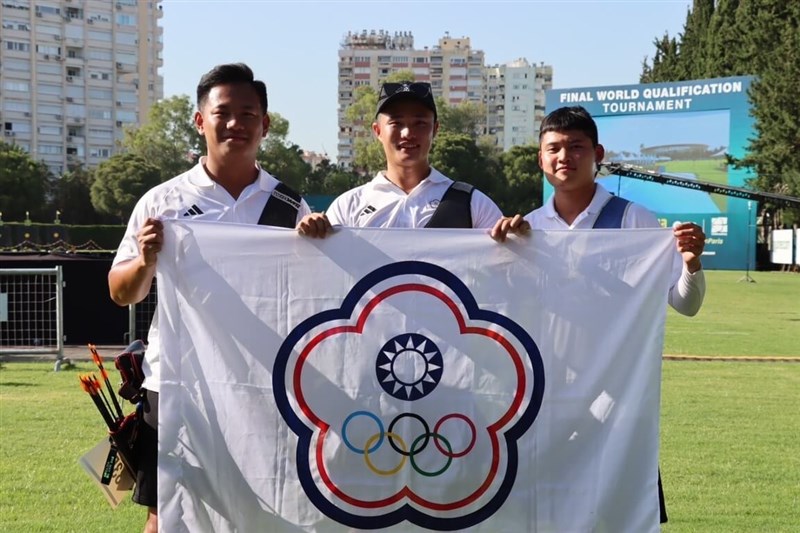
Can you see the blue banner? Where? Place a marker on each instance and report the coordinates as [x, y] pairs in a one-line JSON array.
[[684, 129]]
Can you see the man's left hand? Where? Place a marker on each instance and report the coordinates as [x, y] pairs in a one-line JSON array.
[[690, 241]]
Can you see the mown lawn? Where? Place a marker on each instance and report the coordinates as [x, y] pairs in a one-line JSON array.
[[730, 453], [741, 319]]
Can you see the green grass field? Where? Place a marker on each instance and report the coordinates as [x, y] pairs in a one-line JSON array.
[[741, 319], [730, 446], [713, 170], [730, 454]]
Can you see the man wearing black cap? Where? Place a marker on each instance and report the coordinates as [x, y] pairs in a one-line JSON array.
[[410, 193]]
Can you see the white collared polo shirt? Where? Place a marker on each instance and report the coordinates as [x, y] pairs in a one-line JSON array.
[[382, 204], [546, 216], [636, 216], [194, 195]]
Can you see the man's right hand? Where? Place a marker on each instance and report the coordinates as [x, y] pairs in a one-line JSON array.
[[150, 239], [129, 281], [515, 225], [315, 225]]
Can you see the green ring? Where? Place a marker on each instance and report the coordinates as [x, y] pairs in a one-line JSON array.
[[413, 451]]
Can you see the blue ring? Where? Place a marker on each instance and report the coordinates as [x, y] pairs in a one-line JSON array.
[[347, 441]]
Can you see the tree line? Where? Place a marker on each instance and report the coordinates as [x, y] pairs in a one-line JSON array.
[[746, 37], [168, 144], [719, 38]]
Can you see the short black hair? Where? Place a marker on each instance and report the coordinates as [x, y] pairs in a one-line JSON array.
[[230, 73], [570, 118]]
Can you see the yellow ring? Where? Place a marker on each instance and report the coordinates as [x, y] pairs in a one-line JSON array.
[[372, 467]]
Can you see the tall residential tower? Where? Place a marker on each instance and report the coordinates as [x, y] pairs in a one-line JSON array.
[[515, 102], [75, 73], [453, 68], [513, 94]]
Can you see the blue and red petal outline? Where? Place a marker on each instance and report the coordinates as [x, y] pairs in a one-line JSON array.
[[305, 433]]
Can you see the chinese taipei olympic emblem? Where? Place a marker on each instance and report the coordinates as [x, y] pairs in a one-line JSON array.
[[408, 401]]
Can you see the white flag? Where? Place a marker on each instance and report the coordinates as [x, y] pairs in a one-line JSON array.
[[410, 379]]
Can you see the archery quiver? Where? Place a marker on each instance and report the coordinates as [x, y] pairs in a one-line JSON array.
[[129, 364]]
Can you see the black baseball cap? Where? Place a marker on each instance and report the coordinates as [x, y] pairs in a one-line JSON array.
[[413, 90]]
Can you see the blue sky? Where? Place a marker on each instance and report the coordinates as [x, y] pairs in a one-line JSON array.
[[293, 45]]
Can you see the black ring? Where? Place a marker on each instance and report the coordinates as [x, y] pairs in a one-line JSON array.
[[424, 425]]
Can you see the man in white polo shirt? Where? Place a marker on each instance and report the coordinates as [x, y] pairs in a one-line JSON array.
[[227, 185], [569, 153], [410, 193]]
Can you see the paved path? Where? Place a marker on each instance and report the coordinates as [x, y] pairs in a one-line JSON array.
[[107, 352], [748, 358], [73, 353]]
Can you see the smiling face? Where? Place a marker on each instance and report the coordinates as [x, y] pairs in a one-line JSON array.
[[232, 121], [568, 159], [406, 128]]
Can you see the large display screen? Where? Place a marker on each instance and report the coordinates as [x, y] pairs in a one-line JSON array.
[[684, 129]]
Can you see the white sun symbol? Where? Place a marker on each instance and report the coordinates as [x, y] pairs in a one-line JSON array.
[[409, 366]]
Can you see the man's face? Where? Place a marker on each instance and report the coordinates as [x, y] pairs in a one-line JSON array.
[[405, 129], [568, 159], [232, 121]]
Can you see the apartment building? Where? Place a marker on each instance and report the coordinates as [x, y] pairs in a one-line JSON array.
[[453, 68], [75, 73], [515, 101]]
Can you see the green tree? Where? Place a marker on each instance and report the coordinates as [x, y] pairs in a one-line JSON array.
[[119, 183], [457, 156], [362, 111], [333, 180], [168, 139], [467, 117], [281, 158], [692, 49], [666, 66], [723, 48], [315, 181], [523, 177], [285, 162], [753, 33], [774, 153], [368, 156], [25, 185], [278, 129], [761, 39], [73, 198]]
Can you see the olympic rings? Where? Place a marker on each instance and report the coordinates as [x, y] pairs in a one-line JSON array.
[[426, 433], [366, 447], [374, 442], [379, 436]]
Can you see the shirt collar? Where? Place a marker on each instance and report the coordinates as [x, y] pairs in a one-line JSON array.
[[200, 178], [599, 199], [380, 180], [601, 196]]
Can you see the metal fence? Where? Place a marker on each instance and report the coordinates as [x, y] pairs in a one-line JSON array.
[[140, 315], [32, 311]]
